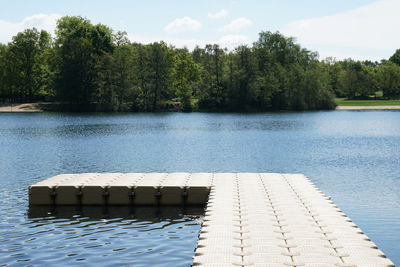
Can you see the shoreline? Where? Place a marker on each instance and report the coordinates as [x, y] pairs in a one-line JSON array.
[[387, 107], [20, 108], [34, 108]]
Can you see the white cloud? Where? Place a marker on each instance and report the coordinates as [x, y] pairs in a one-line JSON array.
[[372, 28], [231, 41], [236, 25], [185, 24], [39, 21], [218, 15], [228, 41]]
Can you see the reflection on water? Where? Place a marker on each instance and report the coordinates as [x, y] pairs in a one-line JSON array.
[[111, 212], [92, 130], [352, 156], [104, 236]]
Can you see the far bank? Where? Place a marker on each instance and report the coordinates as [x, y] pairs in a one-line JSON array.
[[52, 107]]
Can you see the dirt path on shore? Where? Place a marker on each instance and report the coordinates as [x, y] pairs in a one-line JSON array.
[[368, 108], [26, 107]]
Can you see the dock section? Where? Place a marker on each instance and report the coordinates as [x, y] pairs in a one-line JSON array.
[[251, 219], [123, 189]]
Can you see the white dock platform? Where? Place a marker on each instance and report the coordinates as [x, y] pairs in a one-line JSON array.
[[251, 219]]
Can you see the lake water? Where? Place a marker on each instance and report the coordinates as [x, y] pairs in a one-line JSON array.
[[353, 156]]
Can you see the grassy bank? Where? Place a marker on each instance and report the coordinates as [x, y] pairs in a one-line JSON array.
[[372, 102]]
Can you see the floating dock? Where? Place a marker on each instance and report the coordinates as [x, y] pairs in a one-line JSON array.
[[251, 219]]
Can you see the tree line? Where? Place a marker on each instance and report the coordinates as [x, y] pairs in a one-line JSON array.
[[90, 67]]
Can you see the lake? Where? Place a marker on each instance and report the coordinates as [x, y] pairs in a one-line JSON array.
[[353, 156]]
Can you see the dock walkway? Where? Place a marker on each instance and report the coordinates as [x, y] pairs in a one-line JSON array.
[[251, 219]]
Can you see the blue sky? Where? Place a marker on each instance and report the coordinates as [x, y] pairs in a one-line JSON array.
[[361, 29]]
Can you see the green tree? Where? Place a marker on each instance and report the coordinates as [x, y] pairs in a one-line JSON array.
[[124, 69], [79, 47], [213, 93], [242, 78], [356, 80], [43, 71], [317, 86], [159, 68], [4, 90], [333, 67], [285, 72], [395, 58], [28, 70], [389, 79], [185, 78]]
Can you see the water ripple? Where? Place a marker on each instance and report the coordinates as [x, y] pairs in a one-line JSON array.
[[352, 156]]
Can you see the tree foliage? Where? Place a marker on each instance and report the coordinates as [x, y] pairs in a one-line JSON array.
[[81, 50], [389, 79], [24, 62], [395, 58], [90, 67]]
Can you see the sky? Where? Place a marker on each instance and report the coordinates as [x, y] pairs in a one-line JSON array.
[[358, 29]]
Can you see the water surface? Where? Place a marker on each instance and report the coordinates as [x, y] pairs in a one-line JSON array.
[[353, 156]]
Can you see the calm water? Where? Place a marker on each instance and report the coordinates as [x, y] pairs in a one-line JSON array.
[[353, 156]]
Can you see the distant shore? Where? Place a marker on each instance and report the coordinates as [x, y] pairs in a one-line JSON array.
[[394, 107], [25, 107], [33, 107]]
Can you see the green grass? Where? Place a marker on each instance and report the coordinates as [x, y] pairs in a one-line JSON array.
[[346, 102]]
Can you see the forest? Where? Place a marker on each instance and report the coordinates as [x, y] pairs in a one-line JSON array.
[[90, 67]]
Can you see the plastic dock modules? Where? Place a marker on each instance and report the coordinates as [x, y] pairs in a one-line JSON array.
[[251, 219]]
